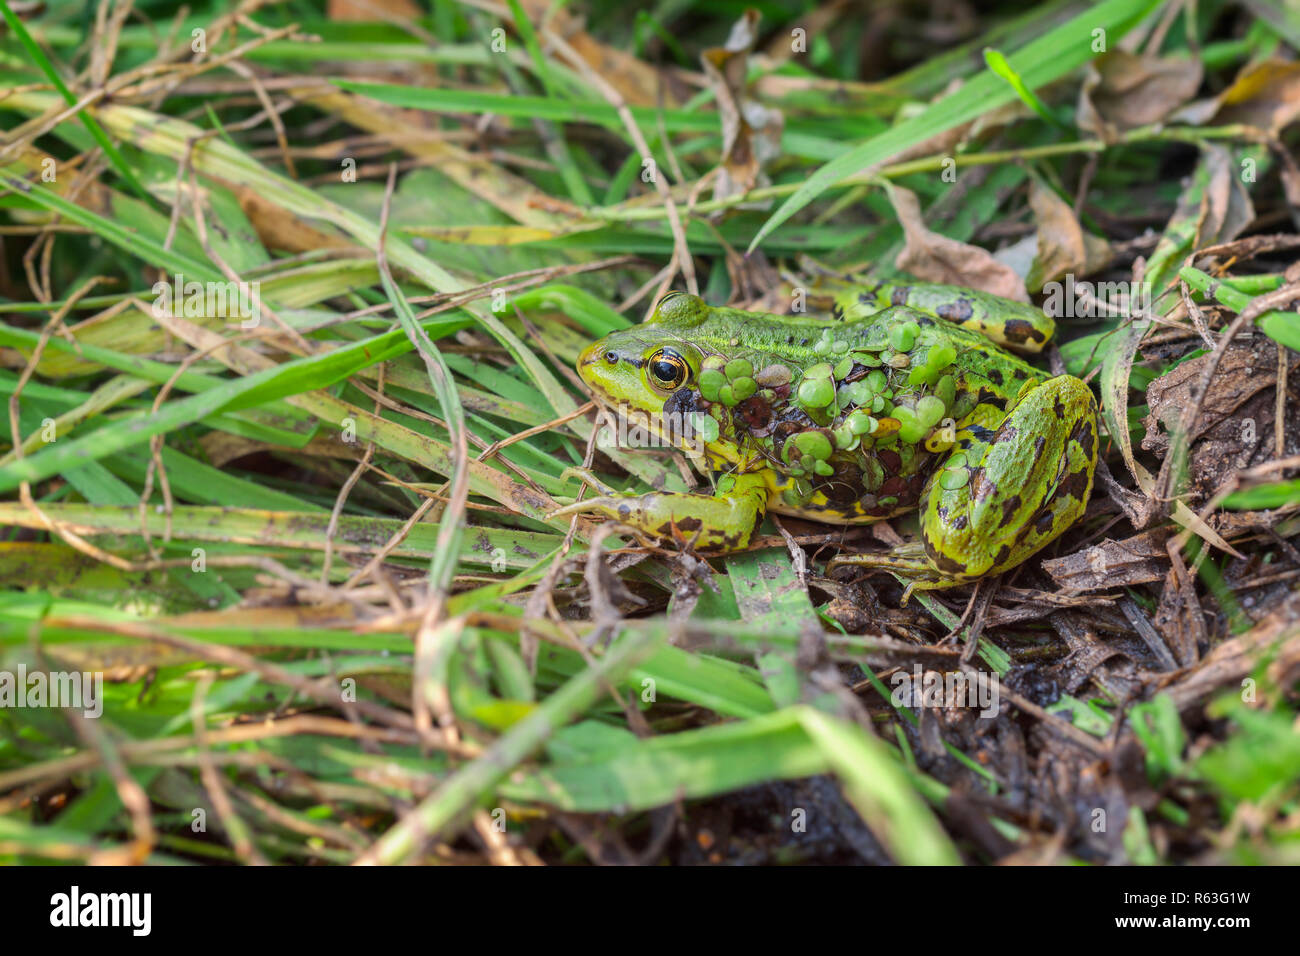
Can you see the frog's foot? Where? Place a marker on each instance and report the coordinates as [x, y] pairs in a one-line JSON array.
[[588, 476], [724, 521], [909, 562], [1003, 495]]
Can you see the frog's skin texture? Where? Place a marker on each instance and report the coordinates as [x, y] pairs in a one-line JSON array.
[[900, 400]]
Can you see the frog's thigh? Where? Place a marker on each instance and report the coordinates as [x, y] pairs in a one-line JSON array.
[[724, 521], [1016, 325], [1024, 483]]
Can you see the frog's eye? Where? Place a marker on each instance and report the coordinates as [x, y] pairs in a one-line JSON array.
[[666, 369]]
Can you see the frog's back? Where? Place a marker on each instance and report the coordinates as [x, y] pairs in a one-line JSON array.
[[803, 340]]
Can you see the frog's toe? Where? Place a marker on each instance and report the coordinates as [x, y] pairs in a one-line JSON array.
[[909, 562], [588, 476], [605, 505]]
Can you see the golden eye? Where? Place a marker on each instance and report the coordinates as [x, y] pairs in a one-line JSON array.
[[666, 369]]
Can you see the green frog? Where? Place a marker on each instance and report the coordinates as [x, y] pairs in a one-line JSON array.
[[905, 397]]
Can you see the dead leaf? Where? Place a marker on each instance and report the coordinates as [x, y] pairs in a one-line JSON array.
[[282, 231], [638, 82], [1113, 564], [751, 132], [371, 9], [1063, 245], [1227, 206], [1265, 95], [937, 258], [1235, 426], [1122, 91], [1276, 638]]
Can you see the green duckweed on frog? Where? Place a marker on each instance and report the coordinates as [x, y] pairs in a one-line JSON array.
[[904, 398]]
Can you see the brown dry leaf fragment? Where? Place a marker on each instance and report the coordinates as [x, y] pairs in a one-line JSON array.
[[1122, 91], [411, 131], [639, 83], [937, 258], [1063, 245], [1265, 95], [1234, 428], [1276, 638], [282, 231], [1179, 616], [751, 132], [372, 9], [1227, 209], [1113, 564]]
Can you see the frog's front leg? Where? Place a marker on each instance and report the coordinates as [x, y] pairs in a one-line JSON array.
[[1008, 489], [722, 521]]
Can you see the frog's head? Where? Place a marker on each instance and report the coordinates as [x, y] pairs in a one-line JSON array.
[[639, 371]]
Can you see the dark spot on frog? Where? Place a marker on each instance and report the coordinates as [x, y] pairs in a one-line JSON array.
[[868, 295], [1058, 409], [1009, 508], [899, 295], [1043, 523], [995, 376], [1004, 552], [958, 311], [947, 564], [1084, 436], [1039, 444], [690, 524], [959, 523], [990, 397], [1075, 486], [1021, 331]]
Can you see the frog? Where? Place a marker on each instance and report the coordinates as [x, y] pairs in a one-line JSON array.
[[905, 397]]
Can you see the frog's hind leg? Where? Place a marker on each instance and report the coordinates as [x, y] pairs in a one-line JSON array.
[[1003, 495], [1014, 325]]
